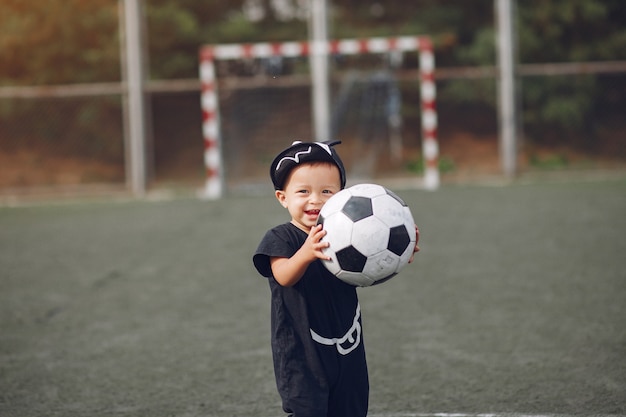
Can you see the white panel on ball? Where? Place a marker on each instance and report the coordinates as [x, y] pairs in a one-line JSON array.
[[367, 190], [355, 278], [370, 236], [338, 229], [406, 255], [388, 210], [382, 264], [336, 203], [333, 265], [409, 223]]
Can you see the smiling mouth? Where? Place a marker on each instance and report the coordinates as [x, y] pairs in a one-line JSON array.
[[312, 212]]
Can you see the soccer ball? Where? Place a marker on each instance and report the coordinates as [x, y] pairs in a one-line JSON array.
[[371, 234]]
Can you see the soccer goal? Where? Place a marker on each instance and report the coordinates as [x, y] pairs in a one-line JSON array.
[[267, 104]]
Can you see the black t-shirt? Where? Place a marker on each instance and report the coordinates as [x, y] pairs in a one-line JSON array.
[[315, 323]]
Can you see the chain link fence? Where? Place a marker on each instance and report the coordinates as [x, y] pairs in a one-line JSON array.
[[55, 138], [71, 138], [64, 140]]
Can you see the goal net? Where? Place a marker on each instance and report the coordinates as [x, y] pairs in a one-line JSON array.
[[256, 100]]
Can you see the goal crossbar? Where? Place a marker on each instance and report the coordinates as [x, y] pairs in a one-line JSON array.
[[209, 54]]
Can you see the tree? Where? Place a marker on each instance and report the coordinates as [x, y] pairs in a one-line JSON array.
[[58, 41], [572, 106], [72, 41]]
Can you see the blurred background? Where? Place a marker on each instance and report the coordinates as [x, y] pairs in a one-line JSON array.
[[62, 95]]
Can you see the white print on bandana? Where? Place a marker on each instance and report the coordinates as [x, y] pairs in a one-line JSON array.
[[296, 157], [353, 336]]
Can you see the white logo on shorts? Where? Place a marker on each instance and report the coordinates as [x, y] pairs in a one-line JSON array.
[[352, 337]]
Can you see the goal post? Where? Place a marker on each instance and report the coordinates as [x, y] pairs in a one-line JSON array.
[[211, 125]]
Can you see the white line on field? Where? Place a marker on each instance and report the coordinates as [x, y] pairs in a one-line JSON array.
[[490, 415]]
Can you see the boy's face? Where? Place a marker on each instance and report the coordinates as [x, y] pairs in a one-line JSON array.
[[306, 190]]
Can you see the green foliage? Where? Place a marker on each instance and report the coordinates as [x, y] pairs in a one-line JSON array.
[[572, 30], [171, 30], [463, 91], [549, 162], [58, 41], [562, 100], [72, 41], [176, 30], [567, 31], [84, 33], [445, 165]]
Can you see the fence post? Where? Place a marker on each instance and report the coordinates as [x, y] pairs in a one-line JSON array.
[[507, 112], [318, 36], [134, 105]]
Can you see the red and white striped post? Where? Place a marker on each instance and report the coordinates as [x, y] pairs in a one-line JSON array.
[[210, 108], [430, 146], [211, 128]]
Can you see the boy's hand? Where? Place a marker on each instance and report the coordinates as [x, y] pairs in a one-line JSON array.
[[417, 248], [288, 271], [313, 245]]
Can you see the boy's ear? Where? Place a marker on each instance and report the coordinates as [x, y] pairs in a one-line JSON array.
[[280, 196]]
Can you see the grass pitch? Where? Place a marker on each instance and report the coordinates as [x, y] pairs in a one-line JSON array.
[[515, 305]]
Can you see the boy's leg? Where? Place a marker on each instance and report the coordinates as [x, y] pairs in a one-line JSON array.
[[304, 397], [350, 395], [306, 408]]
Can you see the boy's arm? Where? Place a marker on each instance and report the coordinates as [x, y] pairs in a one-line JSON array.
[[288, 271], [417, 248]]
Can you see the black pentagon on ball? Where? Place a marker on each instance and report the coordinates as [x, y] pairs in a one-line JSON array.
[[398, 240], [358, 208], [351, 259], [396, 196], [320, 219]]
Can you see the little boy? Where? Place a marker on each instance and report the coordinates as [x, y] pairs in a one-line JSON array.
[[317, 344]]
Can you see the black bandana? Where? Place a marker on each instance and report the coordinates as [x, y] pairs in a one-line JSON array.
[[300, 152]]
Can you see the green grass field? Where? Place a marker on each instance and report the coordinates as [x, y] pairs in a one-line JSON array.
[[515, 305]]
